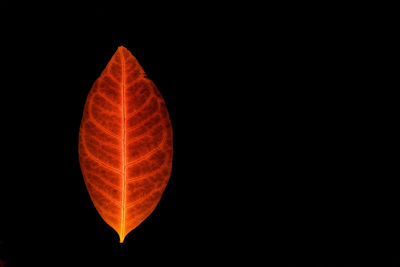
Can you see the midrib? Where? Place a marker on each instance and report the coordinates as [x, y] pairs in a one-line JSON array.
[[122, 235]]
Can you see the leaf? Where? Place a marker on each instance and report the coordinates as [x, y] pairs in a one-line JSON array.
[[125, 144]]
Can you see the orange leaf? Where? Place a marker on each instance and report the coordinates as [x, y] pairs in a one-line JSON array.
[[125, 144]]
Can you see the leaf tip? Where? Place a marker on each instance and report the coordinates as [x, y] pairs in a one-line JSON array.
[[121, 48]]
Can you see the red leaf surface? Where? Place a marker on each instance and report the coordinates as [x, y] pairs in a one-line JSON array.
[[125, 144]]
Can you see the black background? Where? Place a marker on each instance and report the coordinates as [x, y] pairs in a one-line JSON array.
[[272, 137]]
